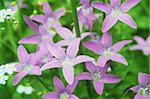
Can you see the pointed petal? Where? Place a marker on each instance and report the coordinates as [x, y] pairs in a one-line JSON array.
[[68, 73], [136, 47], [135, 88], [108, 23], [139, 40], [73, 97], [70, 88], [32, 39], [102, 61], [39, 18], [56, 51], [118, 46], [102, 6], [58, 84], [85, 2], [126, 6], [138, 96], [64, 33], [93, 46], [31, 24], [18, 77], [83, 35], [143, 78], [119, 58], [73, 48], [36, 71], [47, 9], [107, 78], [59, 13], [125, 18], [51, 64], [90, 67], [23, 54], [106, 40], [63, 43], [84, 76], [51, 95], [115, 3], [99, 86], [82, 58]]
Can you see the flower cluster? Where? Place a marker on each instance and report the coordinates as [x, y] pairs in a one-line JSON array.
[[24, 89]]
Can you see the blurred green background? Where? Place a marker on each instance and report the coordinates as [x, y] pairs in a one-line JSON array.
[[11, 33]]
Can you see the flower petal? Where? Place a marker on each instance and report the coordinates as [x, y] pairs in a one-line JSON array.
[[73, 48], [51, 95], [108, 23], [107, 78], [143, 78], [126, 6], [139, 40], [18, 77], [125, 18], [119, 58], [118, 46], [136, 47], [138, 96], [102, 6], [115, 3], [82, 58], [58, 84], [99, 86], [63, 43], [31, 24], [84, 76], [59, 13], [135, 88], [47, 9], [36, 71], [90, 67], [51, 64], [68, 73], [148, 40], [83, 35], [102, 61], [73, 97], [106, 40], [39, 18], [32, 39], [23, 54], [85, 2], [70, 88]]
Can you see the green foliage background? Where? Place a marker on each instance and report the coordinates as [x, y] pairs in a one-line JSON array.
[[10, 33]]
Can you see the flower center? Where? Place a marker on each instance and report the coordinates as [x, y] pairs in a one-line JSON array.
[[108, 53], [67, 62], [97, 76], [144, 91], [27, 68], [50, 20], [116, 12], [64, 95], [73, 37]]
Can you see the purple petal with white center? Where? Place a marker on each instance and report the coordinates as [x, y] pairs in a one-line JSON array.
[[18, 78], [58, 84], [99, 86], [139, 40], [59, 13], [115, 3], [36, 70], [136, 47], [47, 9], [82, 58], [51, 95], [23, 54], [106, 40], [56, 51], [73, 97], [51, 64], [143, 78], [118, 46], [68, 73], [126, 6], [73, 48], [102, 61], [39, 18], [127, 19], [108, 78], [102, 6], [31, 24], [93, 46], [119, 58], [108, 23], [32, 39], [84, 76], [135, 88], [70, 88]]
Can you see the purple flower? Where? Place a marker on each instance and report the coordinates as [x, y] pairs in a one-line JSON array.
[[66, 60], [107, 51], [143, 89], [142, 45], [98, 75], [68, 36], [62, 92], [27, 65], [86, 15], [116, 11], [50, 20]]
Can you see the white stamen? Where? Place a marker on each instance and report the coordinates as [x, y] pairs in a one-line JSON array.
[[108, 53]]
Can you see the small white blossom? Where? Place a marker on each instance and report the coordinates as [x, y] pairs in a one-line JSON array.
[[2, 15], [20, 89], [2, 69], [28, 90], [24, 89], [3, 79], [10, 13], [10, 68]]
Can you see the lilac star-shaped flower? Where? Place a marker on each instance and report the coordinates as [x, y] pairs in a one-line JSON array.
[[116, 11]]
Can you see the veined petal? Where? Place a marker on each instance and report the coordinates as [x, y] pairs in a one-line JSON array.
[[136, 47], [82, 58], [52, 64], [84, 76], [99, 86], [39, 18], [102, 6], [73, 97], [32, 39], [143, 78], [119, 58], [58, 84], [23, 54], [102, 61], [18, 77], [107, 78], [118, 46], [59, 13], [47, 9], [108, 23], [126, 6], [68, 73], [73, 48], [125, 18], [135, 88], [139, 40], [106, 40], [51, 95], [115, 3]]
